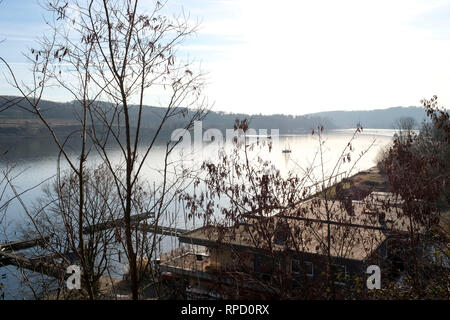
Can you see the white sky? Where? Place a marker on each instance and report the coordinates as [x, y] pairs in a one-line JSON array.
[[299, 57], [306, 56]]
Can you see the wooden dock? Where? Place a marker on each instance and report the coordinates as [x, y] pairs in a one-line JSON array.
[[23, 244], [118, 223], [39, 264], [9, 256], [49, 267], [136, 222], [166, 231]]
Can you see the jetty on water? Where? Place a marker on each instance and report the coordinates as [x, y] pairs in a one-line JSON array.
[[47, 264], [42, 264]]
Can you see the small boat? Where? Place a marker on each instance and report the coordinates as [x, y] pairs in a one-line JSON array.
[[286, 149]]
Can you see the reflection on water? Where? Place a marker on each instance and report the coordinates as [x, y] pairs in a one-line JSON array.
[[32, 161]]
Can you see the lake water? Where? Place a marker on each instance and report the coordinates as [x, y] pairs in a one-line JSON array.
[[32, 161]]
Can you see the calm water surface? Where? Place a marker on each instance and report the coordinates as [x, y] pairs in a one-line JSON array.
[[32, 161]]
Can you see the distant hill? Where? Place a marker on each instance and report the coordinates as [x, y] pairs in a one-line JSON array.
[[16, 120], [63, 116], [379, 119]]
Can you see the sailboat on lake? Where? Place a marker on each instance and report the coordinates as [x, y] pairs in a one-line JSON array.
[[286, 149]]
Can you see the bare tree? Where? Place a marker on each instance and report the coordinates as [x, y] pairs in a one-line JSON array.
[[244, 200], [418, 173], [405, 126], [114, 53], [45, 63], [137, 56], [58, 216]]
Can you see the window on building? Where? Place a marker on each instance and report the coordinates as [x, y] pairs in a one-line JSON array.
[[339, 273], [308, 268], [267, 267]]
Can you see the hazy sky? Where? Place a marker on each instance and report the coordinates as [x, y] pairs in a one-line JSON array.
[[296, 56]]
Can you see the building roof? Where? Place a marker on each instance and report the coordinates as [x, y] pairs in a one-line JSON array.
[[357, 230]]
